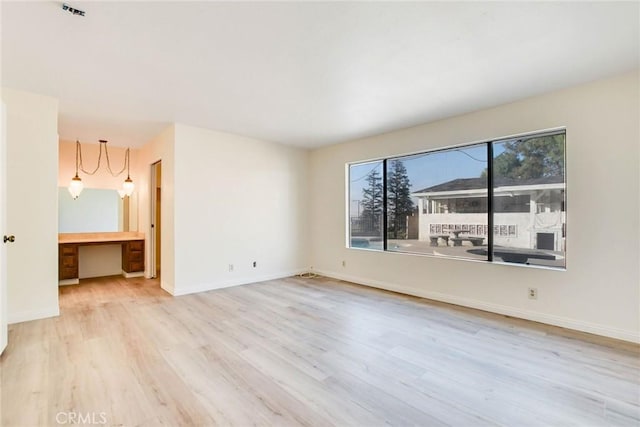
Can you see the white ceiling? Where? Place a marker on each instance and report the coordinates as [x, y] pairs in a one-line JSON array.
[[305, 74]]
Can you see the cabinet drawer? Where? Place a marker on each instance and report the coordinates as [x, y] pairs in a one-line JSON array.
[[135, 257], [136, 246], [69, 261], [68, 273], [136, 266], [68, 250]]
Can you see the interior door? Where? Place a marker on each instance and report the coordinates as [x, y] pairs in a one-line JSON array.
[[3, 229]]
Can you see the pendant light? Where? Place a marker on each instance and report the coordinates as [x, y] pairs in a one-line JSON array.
[[76, 185]]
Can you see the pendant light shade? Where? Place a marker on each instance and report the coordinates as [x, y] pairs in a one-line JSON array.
[[75, 187], [128, 187]]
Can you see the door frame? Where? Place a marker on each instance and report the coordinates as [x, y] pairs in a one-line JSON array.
[[153, 244], [4, 332]]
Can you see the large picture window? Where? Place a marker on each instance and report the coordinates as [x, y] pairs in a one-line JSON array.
[[501, 201]]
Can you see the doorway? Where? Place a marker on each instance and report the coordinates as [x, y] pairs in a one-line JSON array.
[[156, 219]]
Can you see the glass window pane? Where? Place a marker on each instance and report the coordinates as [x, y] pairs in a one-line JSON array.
[[365, 205], [437, 203], [529, 200]]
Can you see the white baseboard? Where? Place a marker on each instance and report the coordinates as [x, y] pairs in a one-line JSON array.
[[65, 282], [27, 316], [167, 287], [178, 291], [134, 274], [535, 316]]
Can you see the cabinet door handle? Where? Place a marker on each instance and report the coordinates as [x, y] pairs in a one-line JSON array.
[[9, 239]]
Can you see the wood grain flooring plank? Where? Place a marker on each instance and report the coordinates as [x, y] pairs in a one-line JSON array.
[[306, 352]]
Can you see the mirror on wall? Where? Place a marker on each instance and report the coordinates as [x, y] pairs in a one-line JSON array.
[[96, 210]]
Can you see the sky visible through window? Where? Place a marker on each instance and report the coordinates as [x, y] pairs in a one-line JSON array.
[[429, 169]]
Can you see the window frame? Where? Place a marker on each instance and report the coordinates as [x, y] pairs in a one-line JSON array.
[[489, 143]]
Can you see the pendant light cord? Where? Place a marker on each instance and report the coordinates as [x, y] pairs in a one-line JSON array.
[[80, 165]]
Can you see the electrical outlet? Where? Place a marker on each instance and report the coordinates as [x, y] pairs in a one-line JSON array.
[[344, 263], [533, 293], [230, 267], [255, 264]]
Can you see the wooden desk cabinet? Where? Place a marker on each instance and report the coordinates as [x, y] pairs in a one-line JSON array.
[[67, 261], [68, 253], [133, 256]]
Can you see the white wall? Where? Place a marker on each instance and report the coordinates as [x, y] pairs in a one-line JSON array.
[[598, 293], [237, 200], [32, 205], [99, 261], [160, 148]]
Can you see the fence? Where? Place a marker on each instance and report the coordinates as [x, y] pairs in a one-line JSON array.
[[365, 226]]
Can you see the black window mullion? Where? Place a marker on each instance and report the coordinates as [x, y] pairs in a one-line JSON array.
[[490, 201], [384, 205]]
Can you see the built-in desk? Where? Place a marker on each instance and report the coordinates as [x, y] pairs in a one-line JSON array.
[[68, 259]]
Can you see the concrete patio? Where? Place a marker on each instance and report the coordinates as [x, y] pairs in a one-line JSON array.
[[465, 251]]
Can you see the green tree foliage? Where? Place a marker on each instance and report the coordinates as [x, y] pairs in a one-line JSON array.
[[372, 201], [399, 203], [536, 157]]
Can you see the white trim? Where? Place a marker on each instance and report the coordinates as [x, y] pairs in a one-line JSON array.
[[65, 282], [497, 191], [459, 193], [27, 316], [153, 211], [525, 188], [166, 286], [133, 274], [550, 319], [204, 287]]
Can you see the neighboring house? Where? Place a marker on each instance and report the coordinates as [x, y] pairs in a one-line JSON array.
[[529, 213]]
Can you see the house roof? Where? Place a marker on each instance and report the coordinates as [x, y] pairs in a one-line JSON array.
[[462, 184]]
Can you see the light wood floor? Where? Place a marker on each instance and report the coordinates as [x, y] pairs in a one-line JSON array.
[[305, 352]]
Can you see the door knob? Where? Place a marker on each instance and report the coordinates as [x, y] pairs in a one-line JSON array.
[[10, 239]]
